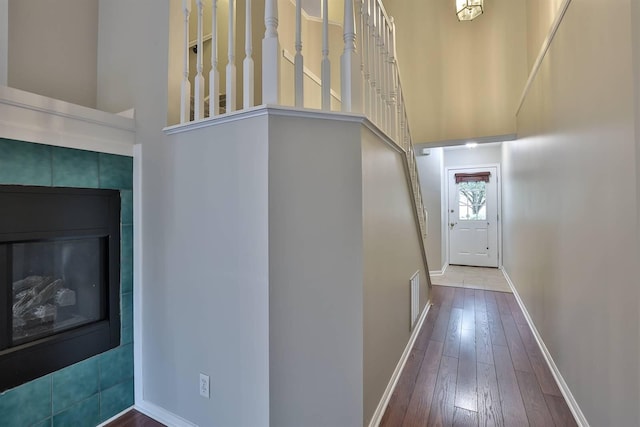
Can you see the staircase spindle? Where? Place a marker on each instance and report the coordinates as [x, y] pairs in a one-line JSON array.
[[298, 59], [185, 89], [373, 60], [351, 79], [271, 55], [248, 73], [214, 74], [394, 83], [199, 78], [365, 57], [326, 64], [384, 62], [380, 66], [388, 75], [231, 64]]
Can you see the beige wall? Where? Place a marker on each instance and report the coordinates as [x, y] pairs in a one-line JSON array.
[[570, 210], [540, 17], [392, 254], [53, 48], [430, 169], [462, 79]]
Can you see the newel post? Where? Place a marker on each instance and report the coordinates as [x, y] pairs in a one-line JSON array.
[[271, 55]]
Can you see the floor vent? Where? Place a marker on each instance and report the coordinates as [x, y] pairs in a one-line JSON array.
[[415, 298]]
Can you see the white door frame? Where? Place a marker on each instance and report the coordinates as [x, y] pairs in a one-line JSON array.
[[445, 205]]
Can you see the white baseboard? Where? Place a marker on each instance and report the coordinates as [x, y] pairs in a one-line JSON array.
[[162, 415], [115, 417], [564, 388], [386, 396], [439, 272]]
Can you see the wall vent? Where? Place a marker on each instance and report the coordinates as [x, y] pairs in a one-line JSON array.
[[415, 298]]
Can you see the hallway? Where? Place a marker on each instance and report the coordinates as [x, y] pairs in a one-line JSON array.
[[476, 362]]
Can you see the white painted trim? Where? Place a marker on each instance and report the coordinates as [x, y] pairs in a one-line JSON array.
[[439, 272], [137, 275], [115, 417], [284, 111], [564, 388], [445, 220], [307, 72], [543, 52], [34, 118], [386, 396], [162, 415], [4, 42]]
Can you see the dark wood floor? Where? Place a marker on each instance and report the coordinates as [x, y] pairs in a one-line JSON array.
[[476, 363], [134, 418]]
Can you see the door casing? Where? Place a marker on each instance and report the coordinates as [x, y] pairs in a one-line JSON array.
[[445, 205]]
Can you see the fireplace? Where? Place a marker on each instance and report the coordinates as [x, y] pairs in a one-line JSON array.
[[59, 278]]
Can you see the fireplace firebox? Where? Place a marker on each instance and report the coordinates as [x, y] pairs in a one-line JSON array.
[[59, 278]]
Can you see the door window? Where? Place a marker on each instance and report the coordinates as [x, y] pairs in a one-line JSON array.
[[472, 201]]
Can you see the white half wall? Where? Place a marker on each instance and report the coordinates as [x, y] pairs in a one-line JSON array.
[[571, 210], [206, 302]]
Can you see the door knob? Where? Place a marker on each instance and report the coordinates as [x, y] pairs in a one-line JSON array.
[[452, 224]]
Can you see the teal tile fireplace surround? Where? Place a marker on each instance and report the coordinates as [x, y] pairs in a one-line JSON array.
[[94, 390]]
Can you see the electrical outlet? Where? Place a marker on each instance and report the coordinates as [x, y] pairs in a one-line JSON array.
[[204, 385]]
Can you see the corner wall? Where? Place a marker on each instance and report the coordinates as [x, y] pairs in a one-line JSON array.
[[570, 210], [315, 272]]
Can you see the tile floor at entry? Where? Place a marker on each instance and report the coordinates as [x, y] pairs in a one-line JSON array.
[[487, 279]]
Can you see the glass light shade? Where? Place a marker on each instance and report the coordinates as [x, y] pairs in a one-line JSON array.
[[468, 9]]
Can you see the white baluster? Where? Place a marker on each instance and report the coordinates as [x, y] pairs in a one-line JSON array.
[[299, 60], [351, 80], [199, 79], [373, 60], [248, 84], [366, 57], [231, 65], [214, 74], [394, 83], [383, 70], [387, 76], [271, 55], [185, 89], [326, 64], [380, 63]]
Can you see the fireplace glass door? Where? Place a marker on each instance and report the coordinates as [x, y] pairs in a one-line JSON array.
[[56, 285]]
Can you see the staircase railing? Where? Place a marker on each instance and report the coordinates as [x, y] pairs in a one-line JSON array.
[[369, 73]]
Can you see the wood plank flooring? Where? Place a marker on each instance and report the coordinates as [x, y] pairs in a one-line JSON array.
[[476, 363], [134, 418]]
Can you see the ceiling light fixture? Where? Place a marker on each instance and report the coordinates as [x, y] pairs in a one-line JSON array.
[[468, 10]]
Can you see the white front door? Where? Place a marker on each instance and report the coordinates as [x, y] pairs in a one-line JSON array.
[[473, 217]]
